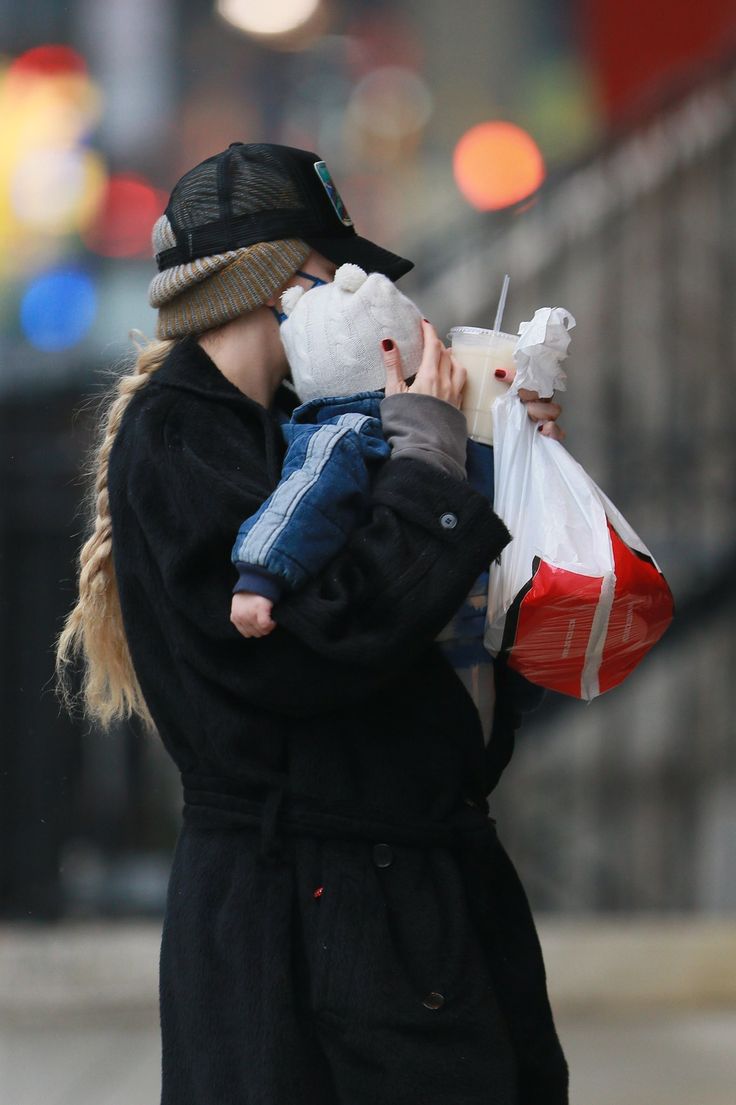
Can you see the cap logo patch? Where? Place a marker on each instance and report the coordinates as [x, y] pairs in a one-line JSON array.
[[332, 193]]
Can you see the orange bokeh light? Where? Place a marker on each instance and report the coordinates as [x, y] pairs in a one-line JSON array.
[[123, 226], [496, 165]]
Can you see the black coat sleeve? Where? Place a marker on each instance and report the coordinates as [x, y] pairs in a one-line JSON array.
[[375, 607], [402, 576]]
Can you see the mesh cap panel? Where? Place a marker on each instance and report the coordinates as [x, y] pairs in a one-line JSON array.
[[261, 192], [231, 187]]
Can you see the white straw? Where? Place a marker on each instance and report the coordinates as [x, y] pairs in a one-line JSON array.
[[501, 304]]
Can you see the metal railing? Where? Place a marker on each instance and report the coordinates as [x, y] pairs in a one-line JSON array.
[[628, 803]]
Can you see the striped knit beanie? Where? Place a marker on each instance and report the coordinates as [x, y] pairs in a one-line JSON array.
[[209, 291]]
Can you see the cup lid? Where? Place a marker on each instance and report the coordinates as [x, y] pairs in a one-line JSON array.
[[479, 332]]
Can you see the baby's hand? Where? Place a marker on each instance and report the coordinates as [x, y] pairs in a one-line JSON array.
[[251, 614]]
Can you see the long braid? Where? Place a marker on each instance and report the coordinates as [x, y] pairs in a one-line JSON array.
[[94, 628]]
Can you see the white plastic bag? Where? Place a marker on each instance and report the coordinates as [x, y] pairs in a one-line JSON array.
[[577, 599]]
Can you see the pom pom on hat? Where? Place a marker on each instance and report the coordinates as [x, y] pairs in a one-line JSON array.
[[291, 297], [350, 277]]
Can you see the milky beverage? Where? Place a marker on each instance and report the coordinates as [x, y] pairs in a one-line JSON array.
[[481, 352]]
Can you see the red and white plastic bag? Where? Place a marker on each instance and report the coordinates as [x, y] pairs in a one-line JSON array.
[[577, 599]]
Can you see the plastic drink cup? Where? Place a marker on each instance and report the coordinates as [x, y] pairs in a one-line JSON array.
[[481, 352]]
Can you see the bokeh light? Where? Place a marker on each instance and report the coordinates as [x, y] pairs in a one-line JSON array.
[[277, 17], [497, 165], [49, 97], [57, 190], [558, 103], [48, 61], [58, 308], [129, 208], [54, 111], [51, 182], [391, 102]]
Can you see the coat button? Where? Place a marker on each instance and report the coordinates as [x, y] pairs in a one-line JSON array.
[[383, 855], [448, 520], [433, 1001]]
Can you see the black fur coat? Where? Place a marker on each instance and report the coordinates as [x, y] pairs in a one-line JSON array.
[[346, 722]]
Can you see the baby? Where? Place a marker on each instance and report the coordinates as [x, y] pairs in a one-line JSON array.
[[332, 338]]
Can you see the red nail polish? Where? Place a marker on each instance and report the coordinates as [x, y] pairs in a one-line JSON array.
[[426, 320], [318, 892], [387, 344], [500, 373]]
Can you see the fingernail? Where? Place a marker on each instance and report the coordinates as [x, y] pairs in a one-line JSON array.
[[500, 373], [426, 320], [540, 427], [387, 345]]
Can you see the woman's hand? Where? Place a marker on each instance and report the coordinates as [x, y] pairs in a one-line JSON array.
[[544, 411], [439, 373]]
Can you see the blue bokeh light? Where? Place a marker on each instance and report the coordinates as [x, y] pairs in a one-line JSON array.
[[58, 308]]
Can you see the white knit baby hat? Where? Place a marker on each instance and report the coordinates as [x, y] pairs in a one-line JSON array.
[[333, 333]]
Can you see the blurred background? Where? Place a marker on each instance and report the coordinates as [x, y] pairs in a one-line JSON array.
[[588, 149]]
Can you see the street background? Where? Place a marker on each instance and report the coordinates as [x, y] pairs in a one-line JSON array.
[[588, 149]]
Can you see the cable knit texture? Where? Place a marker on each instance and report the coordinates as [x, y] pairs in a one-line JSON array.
[[333, 334]]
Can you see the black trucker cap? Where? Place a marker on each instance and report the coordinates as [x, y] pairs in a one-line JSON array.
[[260, 192]]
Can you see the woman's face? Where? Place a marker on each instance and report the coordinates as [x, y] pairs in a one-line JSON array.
[[315, 265]]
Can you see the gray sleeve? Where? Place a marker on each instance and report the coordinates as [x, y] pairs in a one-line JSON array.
[[425, 428]]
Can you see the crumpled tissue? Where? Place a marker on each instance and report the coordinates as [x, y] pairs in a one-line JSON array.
[[542, 346]]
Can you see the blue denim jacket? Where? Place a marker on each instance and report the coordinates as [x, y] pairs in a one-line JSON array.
[[332, 447]]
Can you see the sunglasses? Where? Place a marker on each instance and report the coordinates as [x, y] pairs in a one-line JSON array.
[[316, 282]]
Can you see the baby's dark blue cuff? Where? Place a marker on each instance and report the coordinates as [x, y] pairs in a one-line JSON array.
[[259, 581]]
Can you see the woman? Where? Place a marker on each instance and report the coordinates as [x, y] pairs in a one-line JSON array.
[[342, 925]]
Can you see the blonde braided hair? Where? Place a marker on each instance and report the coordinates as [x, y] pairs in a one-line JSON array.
[[94, 628]]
